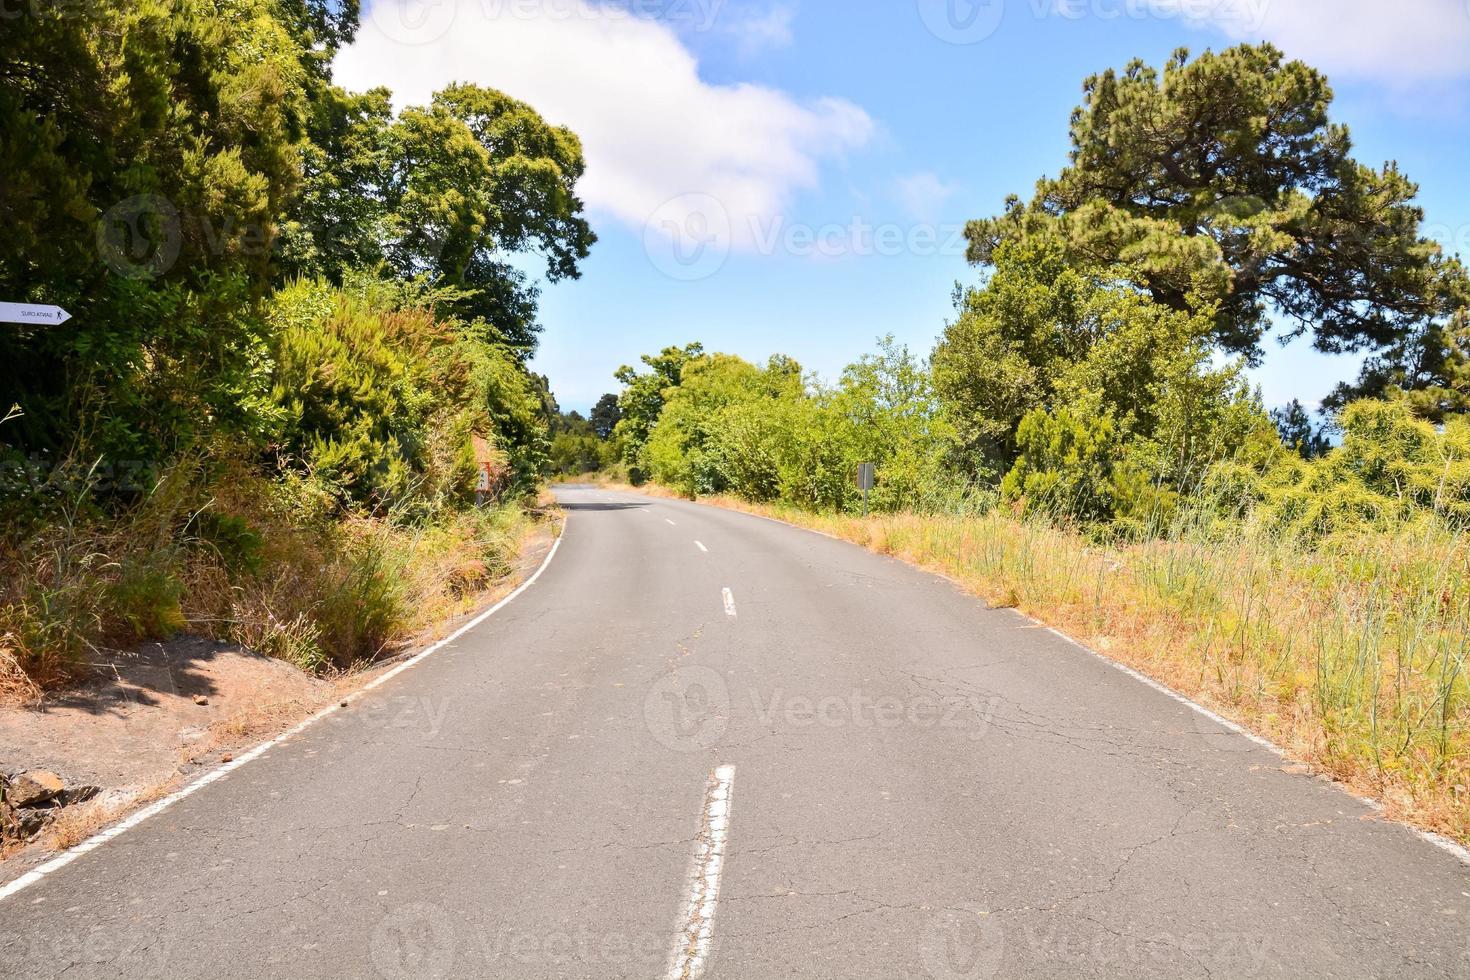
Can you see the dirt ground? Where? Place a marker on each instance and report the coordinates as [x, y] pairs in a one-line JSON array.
[[159, 714], [135, 726]]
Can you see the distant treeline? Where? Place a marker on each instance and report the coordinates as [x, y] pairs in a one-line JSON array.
[[1095, 372]]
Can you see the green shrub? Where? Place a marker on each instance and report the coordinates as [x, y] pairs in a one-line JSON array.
[[1065, 466]]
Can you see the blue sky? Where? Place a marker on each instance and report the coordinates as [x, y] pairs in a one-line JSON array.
[[824, 155]]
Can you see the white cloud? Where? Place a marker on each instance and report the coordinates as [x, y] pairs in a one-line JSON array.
[[757, 31], [923, 194], [651, 128], [1393, 41]]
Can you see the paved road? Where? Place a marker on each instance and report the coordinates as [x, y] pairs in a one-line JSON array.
[[708, 741]]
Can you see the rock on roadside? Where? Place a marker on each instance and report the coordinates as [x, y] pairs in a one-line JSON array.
[[34, 788], [30, 800]]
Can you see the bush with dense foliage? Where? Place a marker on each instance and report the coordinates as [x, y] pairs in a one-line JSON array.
[[298, 339]]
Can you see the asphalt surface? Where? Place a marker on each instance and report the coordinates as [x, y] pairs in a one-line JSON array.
[[919, 787]]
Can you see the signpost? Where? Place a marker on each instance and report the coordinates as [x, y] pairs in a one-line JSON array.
[[865, 483], [32, 313], [482, 485]]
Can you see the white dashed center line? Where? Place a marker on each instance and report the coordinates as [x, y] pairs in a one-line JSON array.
[[697, 925], [670, 522], [729, 604], [700, 546]]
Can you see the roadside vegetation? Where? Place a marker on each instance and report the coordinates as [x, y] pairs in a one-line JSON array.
[[1083, 443], [298, 346]]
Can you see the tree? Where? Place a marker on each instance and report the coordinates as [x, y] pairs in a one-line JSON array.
[[381, 400], [678, 452], [1297, 431], [893, 418], [1221, 183], [1428, 368], [148, 150], [1062, 377], [605, 416], [1041, 332], [451, 189], [643, 396]]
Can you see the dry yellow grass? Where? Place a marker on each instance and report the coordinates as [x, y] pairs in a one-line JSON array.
[[75, 824], [1349, 653], [15, 687]]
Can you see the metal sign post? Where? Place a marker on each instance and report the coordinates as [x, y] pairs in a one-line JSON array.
[[482, 485], [865, 483]]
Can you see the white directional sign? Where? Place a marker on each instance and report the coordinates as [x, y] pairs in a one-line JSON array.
[[32, 313]]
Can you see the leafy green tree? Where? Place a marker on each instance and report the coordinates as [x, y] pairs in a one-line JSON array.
[[1221, 183], [893, 418], [1391, 467], [1066, 464], [341, 221], [680, 451], [1093, 399], [1428, 368], [149, 148], [452, 189], [1042, 332], [605, 416], [577, 451], [643, 398]]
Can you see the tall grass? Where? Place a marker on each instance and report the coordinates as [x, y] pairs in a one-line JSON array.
[[1349, 651], [267, 563]]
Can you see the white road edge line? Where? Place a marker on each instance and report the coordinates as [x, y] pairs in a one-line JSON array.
[[697, 926], [153, 809], [1460, 852], [700, 546], [729, 604], [1438, 840]]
